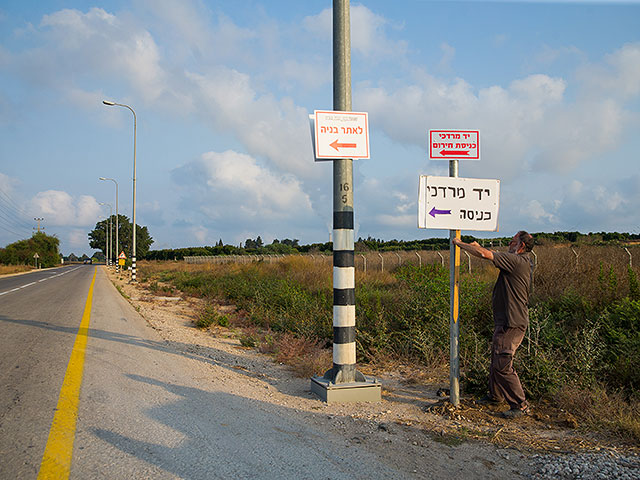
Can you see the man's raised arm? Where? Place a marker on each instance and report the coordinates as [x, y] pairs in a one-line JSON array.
[[474, 249]]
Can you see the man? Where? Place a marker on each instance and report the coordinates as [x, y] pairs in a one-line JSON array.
[[510, 317]]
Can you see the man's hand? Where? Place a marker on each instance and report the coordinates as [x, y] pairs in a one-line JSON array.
[[474, 248]]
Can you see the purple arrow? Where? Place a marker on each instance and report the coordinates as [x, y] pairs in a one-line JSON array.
[[435, 212]]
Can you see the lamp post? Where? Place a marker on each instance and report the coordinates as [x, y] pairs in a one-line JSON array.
[[133, 256], [117, 229], [109, 242]]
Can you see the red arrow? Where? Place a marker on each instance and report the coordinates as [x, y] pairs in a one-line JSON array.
[[337, 145], [454, 152]]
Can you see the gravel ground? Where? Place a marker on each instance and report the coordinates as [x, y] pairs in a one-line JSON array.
[[412, 426], [587, 466]]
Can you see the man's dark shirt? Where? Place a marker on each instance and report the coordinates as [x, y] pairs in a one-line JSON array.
[[511, 291]]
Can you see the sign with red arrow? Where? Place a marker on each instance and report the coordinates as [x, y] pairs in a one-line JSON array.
[[454, 145], [340, 134]]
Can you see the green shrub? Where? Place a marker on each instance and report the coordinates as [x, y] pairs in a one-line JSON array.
[[209, 316], [621, 325], [584, 333]]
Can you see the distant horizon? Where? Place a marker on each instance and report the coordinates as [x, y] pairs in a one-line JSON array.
[[635, 236]]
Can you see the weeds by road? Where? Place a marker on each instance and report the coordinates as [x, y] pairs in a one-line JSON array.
[[579, 363]]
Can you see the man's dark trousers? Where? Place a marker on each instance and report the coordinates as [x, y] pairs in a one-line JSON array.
[[504, 383]]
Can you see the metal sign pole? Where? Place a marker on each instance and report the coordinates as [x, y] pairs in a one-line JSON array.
[[343, 382], [454, 326]]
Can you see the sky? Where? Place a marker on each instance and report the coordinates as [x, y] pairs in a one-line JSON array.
[[222, 92]]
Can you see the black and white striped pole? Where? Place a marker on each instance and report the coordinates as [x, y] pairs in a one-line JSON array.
[[343, 382]]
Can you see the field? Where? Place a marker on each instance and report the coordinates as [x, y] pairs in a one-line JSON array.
[[581, 352], [10, 269]]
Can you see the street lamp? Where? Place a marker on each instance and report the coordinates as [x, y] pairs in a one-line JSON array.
[[109, 243], [117, 229], [133, 256]]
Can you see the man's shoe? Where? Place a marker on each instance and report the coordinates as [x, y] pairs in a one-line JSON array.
[[516, 413], [489, 400]]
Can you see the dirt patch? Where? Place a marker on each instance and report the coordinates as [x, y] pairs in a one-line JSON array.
[[413, 417]]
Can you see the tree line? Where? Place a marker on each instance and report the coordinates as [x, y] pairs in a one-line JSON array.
[[98, 237], [287, 246], [23, 252]]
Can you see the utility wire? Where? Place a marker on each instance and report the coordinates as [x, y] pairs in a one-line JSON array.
[[11, 207]]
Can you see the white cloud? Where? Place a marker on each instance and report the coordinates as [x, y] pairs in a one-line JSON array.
[[448, 52], [531, 123], [591, 205], [368, 32], [618, 77], [200, 234], [535, 211], [75, 48], [268, 127], [74, 45], [61, 209], [233, 186], [550, 55], [396, 221], [7, 184], [77, 238]]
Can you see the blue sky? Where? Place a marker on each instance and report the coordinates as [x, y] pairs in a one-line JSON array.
[[222, 91]]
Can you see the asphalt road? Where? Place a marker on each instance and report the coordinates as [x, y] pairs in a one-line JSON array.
[[142, 411]]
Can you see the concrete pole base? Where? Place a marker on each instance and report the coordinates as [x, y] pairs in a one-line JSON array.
[[356, 392]]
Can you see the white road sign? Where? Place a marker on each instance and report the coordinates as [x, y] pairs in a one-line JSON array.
[[454, 203], [340, 135], [454, 145]]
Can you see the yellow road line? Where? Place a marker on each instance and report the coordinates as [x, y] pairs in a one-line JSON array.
[[56, 461]]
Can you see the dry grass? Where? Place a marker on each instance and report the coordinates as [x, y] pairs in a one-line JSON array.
[[304, 356], [598, 410], [585, 270], [9, 269]]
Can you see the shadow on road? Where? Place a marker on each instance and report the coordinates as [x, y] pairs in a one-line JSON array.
[[219, 435], [205, 354]]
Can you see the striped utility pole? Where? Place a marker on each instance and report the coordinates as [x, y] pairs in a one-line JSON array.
[[343, 382], [344, 292]]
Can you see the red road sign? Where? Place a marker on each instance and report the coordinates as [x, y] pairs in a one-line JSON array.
[[454, 144]]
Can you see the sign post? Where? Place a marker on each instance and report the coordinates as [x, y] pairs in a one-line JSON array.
[[454, 303], [455, 203], [341, 136]]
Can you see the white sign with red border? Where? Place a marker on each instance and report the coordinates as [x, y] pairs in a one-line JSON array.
[[122, 255], [454, 144], [340, 134]]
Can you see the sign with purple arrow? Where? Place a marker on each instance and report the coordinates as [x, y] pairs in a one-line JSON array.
[[435, 212], [453, 203]]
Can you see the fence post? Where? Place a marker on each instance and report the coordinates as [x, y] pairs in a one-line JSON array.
[[441, 258], [381, 263], [469, 257], [419, 259], [576, 254], [630, 257], [399, 259], [364, 263]]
